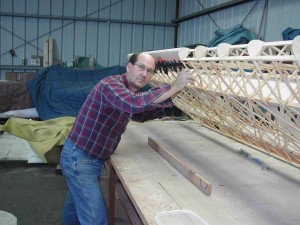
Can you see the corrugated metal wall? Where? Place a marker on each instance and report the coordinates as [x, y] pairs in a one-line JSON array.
[[113, 34], [108, 41], [279, 14]]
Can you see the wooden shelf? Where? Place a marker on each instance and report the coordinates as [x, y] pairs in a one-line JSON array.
[[20, 67]]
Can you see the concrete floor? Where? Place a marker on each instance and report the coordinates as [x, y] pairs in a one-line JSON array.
[[35, 193]]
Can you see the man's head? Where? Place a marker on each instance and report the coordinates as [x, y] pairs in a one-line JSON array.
[[140, 69]]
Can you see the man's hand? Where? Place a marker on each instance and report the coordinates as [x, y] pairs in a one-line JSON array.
[[184, 77]]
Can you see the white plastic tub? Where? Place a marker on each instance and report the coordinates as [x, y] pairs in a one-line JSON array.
[[179, 217], [7, 218]]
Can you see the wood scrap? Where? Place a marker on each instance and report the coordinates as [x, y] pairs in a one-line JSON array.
[[189, 173]]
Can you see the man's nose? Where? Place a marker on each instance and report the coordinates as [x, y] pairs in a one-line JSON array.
[[144, 72]]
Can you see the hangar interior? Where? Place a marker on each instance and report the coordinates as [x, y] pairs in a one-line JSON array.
[[227, 152]]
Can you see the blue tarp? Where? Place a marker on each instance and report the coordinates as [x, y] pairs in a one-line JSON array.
[[290, 33], [234, 35], [59, 91]]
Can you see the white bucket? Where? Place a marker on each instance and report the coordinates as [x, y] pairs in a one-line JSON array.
[[179, 217], [7, 218]]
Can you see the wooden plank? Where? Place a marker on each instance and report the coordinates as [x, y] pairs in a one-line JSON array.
[[144, 188], [189, 173], [46, 52], [51, 48], [111, 195], [154, 185], [128, 206], [116, 185]]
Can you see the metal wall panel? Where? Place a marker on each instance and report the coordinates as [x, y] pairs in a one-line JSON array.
[[126, 31], [159, 32], [115, 34], [68, 29], [6, 39], [108, 42], [170, 13], [279, 14]]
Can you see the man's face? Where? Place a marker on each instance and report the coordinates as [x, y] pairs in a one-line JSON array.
[[140, 73]]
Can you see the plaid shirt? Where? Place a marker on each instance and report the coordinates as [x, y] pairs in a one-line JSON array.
[[106, 112]]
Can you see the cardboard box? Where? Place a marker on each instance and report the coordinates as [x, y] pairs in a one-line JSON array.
[[36, 60], [18, 76]]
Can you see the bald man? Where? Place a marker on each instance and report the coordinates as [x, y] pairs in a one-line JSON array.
[[97, 132]]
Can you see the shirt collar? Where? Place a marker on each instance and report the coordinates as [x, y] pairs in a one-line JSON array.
[[125, 81]]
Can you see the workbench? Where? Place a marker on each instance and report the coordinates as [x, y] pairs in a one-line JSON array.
[[248, 186]]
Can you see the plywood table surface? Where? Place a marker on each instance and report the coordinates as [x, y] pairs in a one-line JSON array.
[[242, 191]]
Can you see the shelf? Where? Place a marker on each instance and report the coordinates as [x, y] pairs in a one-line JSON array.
[[20, 67]]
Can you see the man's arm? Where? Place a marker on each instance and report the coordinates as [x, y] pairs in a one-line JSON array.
[[119, 97], [183, 78], [149, 115]]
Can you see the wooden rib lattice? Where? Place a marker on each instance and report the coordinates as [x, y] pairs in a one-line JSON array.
[[248, 92]]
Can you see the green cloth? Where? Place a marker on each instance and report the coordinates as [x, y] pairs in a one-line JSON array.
[[234, 35], [41, 135]]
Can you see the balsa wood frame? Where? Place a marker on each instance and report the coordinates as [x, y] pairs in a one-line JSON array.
[[249, 92]]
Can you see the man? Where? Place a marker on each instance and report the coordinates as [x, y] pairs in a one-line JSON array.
[[97, 131]]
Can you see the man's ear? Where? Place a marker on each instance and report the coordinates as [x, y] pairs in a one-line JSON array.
[[128, 66]]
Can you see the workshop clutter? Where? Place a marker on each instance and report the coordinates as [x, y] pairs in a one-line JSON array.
[[48, 51]]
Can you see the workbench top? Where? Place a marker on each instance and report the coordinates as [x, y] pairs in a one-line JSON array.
[[264, 191]]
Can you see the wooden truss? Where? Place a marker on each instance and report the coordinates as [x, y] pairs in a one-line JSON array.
[[249, 92]]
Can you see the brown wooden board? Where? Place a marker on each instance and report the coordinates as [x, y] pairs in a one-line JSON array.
[[189, 173]]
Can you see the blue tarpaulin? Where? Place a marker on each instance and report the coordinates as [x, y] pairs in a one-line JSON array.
[[290, 33], [234, 35], [59, 91]]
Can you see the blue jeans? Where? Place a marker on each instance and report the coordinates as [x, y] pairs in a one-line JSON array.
[[84, 204]]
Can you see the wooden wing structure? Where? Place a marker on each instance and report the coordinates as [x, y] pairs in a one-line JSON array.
[[250, 92]]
